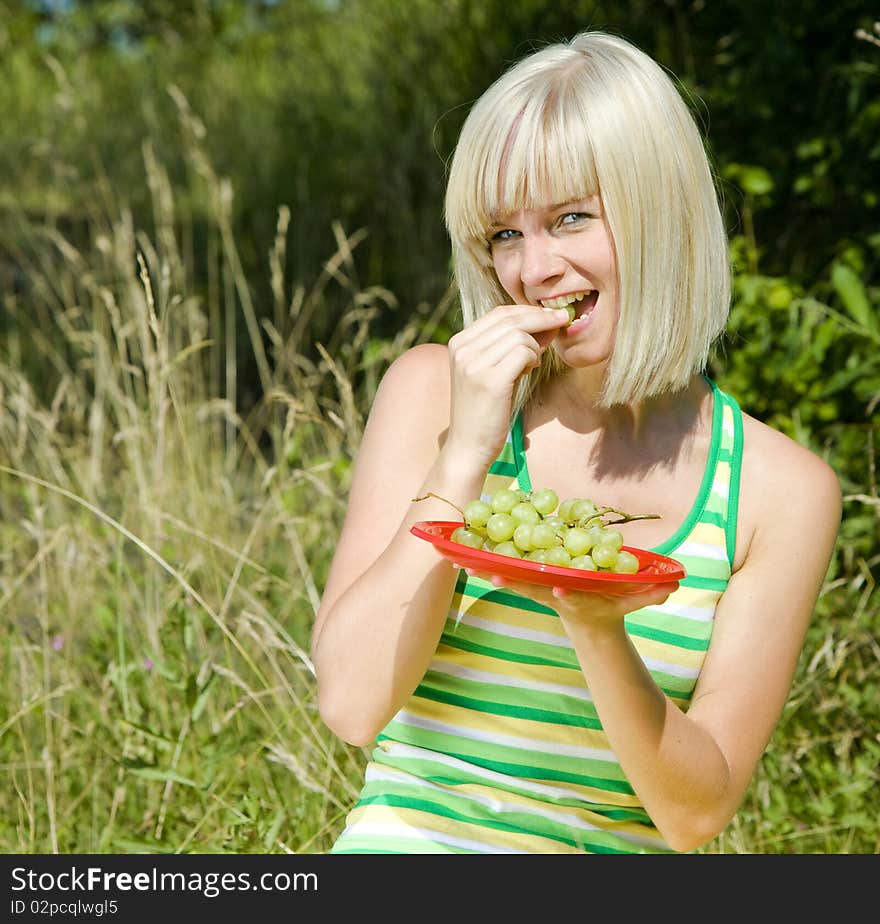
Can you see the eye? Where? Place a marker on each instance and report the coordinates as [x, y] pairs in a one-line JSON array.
[[573, 218], [502, 236]]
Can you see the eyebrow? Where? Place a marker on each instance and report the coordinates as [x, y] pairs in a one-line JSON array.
[[498, 220]]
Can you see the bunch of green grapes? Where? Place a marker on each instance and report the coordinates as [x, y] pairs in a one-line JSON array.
[[536, 527]]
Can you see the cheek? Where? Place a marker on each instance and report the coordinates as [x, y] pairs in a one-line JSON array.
[[506, 275]]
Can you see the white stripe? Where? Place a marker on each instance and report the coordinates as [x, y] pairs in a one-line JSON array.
[[702, 550], [489, 625], [695, 613], [423, 834], [524, 744], [721, 487], [466, 673], [545, 790], [665, 667], [374, 772]]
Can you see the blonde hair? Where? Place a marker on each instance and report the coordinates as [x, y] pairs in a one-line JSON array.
[[597, 116]]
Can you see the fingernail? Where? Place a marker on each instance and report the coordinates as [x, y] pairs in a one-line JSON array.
[[470, 572], [498, 581], [559, 592]]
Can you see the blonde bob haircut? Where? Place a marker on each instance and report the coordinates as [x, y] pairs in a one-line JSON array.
[[597, 116]]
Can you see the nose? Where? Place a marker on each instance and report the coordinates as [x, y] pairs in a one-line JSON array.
[[540, 261]]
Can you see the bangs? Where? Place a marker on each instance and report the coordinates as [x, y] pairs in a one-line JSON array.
[[544, 156]]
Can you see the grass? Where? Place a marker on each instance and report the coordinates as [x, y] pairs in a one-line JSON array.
[[163, 555], [164, 550]]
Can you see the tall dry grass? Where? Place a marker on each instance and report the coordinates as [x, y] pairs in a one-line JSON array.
[[164, 548]]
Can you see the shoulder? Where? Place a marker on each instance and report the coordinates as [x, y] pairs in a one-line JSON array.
[[784, 481], [425, 359], [413, 395], [783, 466], [425, 366]]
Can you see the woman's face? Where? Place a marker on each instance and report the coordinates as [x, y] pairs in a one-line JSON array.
[[561, 254]]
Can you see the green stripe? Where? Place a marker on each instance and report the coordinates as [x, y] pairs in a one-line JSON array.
[[672, 629], [584, 771], [424, 768], [698, 566], [514, 710], [480, 589], [519, 454], [550, 659], [669, 638], [701, 583], [549, 829], [735, 473], [708, 478]]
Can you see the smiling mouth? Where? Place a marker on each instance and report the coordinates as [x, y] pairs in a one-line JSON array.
[[579, 304]]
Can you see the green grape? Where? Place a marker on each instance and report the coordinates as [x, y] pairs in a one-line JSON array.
[[544, 536], [504, 500], [565, 509], [489, 545], [508, 548], [626, 563], [577, 541], [500, 527], [555, 523], [522, 537], [605, 556], [558, 556], [465, 536], [584, 562], [545, 501], [539, 555], [583, 507], [596, 534], [612, 538], [524, 512], [477, 513]]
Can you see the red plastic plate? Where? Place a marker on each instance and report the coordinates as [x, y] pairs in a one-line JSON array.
[[653, 568]]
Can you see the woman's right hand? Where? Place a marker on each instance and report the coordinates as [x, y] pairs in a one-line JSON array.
[[487, 360]]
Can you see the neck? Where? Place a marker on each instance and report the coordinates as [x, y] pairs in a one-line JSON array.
[[572, 398]]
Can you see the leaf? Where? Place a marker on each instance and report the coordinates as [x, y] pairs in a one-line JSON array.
[[126, 844], [852, 293], [163, 776]]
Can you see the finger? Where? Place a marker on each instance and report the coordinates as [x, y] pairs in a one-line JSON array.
[[498, 581], [506, 342], [560, 592], [526, 317]]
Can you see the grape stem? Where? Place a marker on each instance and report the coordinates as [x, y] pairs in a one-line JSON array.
[[445, 501], [626, 517]]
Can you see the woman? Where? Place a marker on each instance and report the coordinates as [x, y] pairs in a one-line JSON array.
[[524, 719]]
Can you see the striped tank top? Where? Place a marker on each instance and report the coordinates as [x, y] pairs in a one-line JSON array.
[[499, 749]]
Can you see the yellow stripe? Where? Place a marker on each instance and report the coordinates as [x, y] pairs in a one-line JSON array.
[[512, 670], [395, 817], [509, 615], [709, 534], [528, 731], [671, 654], [696, 597]]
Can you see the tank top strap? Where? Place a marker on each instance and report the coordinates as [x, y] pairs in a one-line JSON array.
[[509, 468], [723, 500]]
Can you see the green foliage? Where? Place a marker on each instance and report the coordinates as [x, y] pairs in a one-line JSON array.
[[219, 224]]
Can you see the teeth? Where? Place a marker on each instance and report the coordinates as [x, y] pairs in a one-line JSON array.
[[563, 301]]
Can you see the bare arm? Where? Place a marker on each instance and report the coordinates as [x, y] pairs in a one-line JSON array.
[[387, 593], [439, 418]]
